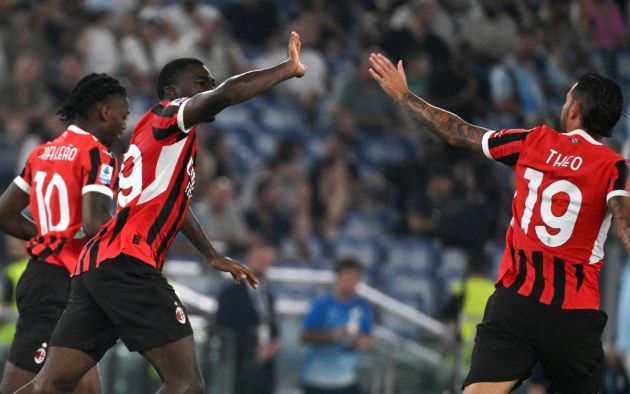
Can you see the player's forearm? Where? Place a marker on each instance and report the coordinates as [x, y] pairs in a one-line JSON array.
[[18, 226], [197, 237], [623, 233], [235, 90], [444, 124]]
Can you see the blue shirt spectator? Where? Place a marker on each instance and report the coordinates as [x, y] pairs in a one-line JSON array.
[[337, 326]]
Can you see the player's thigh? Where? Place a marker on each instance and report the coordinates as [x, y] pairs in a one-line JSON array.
[[139, 301], [501, 352], [574, 359], [63, 370], [90, 383], [490, 387], [83, 326], [175, 361], [42, 296], [14, 377]]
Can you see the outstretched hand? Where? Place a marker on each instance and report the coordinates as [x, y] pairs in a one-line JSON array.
[[238, 271], [392, 79], [294, 55]]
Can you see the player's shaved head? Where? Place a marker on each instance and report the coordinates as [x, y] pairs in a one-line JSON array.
[[601, 103], [171, 71]]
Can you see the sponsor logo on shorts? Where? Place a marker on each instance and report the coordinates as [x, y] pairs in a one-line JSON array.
[[40, 354], [180, 315]]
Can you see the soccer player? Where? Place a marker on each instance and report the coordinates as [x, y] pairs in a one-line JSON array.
[[118, 290], [568, 187], [67, 182]]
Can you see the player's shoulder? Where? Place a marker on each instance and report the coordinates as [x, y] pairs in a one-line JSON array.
[[166, 108]]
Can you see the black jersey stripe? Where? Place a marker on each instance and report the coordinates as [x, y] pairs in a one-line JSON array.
[[579, 275], [559, 280], [171, 233], [165, 111], [522, 271], [95, 161], [121, 219], [175, 194], [539, 278], [509, 160], [622, 175], [506, 139], [93, 255], [165, 132]]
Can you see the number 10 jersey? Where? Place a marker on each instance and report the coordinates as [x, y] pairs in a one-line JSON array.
[[156, 181], [56, 175], [555, 242]]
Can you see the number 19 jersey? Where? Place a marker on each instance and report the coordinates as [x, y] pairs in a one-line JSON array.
[[156, 181], [555, 241], [56, 175]]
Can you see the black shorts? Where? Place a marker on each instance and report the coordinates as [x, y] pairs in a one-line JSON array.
[[517, 331], [124, 298], [41, 296]]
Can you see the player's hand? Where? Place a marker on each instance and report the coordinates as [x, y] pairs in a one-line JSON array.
[[392, 79], [238, 271], [299, 69]]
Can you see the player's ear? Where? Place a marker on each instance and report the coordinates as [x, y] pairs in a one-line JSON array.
[[170, 91], [104, 111], [575, 111]]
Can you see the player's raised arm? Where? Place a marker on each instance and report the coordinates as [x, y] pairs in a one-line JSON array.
[[444, 124], [195, 234], [12, 203], [243, 87], [620, 208]]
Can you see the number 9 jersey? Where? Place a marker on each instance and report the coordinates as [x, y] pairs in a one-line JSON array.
[[156, 181], [56, 176], [555, 242]]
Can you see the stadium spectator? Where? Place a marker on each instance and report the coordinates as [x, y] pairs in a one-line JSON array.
[[517, 86], [336, 328], [265, 222], [220, 216], [253, 22], [249, 318]]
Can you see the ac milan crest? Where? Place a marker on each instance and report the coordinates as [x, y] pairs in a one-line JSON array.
[[180, 315], [40, 354]]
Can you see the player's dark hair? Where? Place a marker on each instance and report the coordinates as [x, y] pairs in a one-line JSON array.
[[171, 70], [602, 103], [346, 263], [91, 89]]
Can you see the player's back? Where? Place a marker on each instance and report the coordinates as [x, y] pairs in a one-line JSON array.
[[56, 176], [560, 217], [156, 182]]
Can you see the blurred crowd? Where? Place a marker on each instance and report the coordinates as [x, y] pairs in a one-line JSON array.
[[328, 157]]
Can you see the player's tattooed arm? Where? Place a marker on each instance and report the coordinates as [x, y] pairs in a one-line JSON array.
[[620, 208], [444, 124], [195, 234], [243, 87], [12, 202]]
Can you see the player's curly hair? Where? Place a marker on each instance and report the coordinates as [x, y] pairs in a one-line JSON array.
[[169, 73], [602, 103], [91, 89]]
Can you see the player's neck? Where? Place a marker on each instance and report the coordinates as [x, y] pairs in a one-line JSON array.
[[92, 129]]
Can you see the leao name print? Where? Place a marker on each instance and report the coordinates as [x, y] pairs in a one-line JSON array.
[[155, 183]]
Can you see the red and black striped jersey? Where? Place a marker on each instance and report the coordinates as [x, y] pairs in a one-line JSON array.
[[156, 181], [56, 176], [555, 242]]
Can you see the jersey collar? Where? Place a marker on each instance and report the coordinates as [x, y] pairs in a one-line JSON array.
[[584, 135], [77, 129]]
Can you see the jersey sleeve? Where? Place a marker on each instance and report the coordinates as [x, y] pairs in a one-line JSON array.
[[25, 179], [169, 118], [504, 146], [99, 172], [618, 183]]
